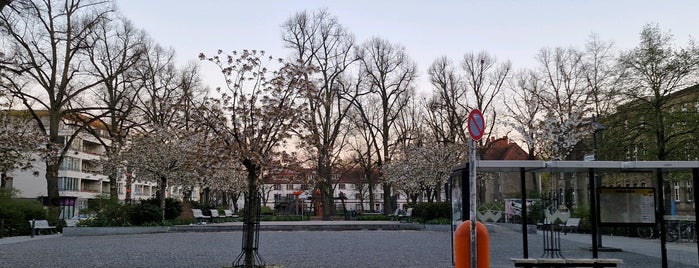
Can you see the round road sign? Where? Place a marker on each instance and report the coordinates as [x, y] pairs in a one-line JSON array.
[[476, 124]]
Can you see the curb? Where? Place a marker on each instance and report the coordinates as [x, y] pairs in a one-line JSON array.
[[97, 231]]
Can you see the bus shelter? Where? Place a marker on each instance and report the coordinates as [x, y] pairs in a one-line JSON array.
[[645, 206]]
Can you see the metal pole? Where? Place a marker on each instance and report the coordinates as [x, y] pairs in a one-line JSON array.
[[594, 212], [525, 242], [695, 182], [472, 192], [660, 216]]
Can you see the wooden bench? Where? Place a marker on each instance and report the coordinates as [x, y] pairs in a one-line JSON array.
[[230, 215], [41, 225], [199, 216], [560, 262]]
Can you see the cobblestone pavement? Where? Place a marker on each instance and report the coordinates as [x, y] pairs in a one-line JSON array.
[[313, 249]]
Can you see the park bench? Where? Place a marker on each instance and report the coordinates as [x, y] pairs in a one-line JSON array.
[[571, 225], [561, 262], [215, 217], [199, 216], [407, 217], [41, 225], [230, 215], [396, 214]]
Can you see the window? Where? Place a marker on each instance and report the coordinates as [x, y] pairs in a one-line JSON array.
[[277, 187], [341, 186], [67, 184], [8, 183], [70, 163], [676, 190], [689, 191], [304, 187], [289, 186], [358, 196], [290, 196]]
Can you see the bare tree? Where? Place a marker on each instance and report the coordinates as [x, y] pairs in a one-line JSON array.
[[118, 48], [602, 75], [565, 97], [484, 78], [254, 117], [47, 39], [390, 74], [319, 40], [447, 109], [524, 109]]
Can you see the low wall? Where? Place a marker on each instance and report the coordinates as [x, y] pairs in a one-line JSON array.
[[93, 231]]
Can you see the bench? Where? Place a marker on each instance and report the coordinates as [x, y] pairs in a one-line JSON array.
[[408, 215], [229, 214], [215, 217], [560, 262], [41, 225], [571, 225], [199, 216]]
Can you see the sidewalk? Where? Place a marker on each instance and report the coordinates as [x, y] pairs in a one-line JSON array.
[[19, 239]]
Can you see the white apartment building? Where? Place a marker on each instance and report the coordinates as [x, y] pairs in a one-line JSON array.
[[80, 176]]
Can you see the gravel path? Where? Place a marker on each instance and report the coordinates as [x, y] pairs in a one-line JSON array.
[[307, 249]]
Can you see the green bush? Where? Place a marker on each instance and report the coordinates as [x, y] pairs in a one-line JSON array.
[[173, 208], [16, 213], [424, 212], [145, 213]]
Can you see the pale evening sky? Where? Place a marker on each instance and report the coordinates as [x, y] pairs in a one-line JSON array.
[[510, 30]]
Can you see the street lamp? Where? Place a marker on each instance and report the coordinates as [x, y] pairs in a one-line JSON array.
[[597, 127]]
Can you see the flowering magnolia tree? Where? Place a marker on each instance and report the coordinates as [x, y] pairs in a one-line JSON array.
[[20, 141], [254, 118], [424, 169], [164, 156]]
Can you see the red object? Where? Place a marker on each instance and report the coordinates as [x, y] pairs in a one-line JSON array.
[[476, 124], [462, 246]]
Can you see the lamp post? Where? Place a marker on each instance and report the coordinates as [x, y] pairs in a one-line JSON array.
[[597, 127]]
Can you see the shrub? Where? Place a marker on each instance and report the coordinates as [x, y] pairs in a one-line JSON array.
[[144, 214], [424, 212], [17, 212], [173, 208]]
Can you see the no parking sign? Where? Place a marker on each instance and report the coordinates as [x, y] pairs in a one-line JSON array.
[[476, 124]]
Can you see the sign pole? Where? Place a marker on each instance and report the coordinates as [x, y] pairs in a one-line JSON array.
[[473, 208], [476, 128]]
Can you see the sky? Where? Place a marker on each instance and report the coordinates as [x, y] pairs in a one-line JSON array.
[[508, 29]]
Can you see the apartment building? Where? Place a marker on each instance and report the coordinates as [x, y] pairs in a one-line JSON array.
[[80, 177]]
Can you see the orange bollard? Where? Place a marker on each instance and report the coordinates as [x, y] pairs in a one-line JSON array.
[[462, 246]]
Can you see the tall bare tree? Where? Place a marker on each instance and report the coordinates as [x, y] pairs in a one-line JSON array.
[[524, 109], [319, 40], [119, 46], [484, 79], [47, 39], [447, 109], [565, 97], [391, 75]]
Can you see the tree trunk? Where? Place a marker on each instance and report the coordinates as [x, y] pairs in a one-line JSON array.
[[163, 186], [54, 199], [387, 209]]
